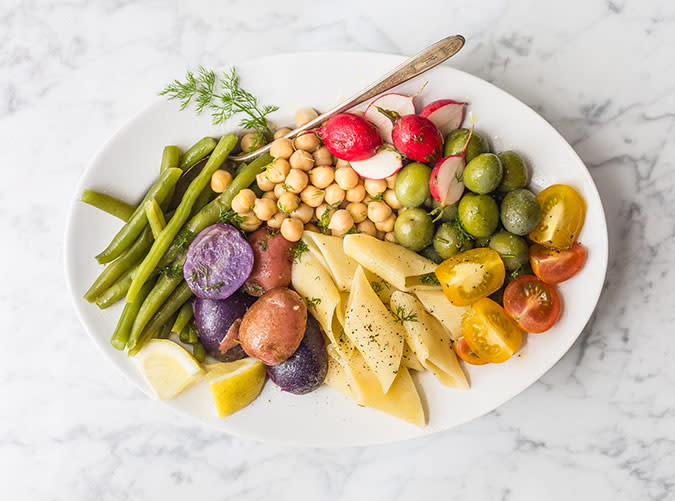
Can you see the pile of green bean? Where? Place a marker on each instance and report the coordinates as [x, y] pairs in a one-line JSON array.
[[146, 256]]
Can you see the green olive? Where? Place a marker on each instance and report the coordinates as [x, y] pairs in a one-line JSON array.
[[478, 214], [413, 229], [483, 174], [512, 248], [520, 211], [515, 171], [455, 141], [431, 254], [481, 242], [449, 240], [445, 213], [412, 184]]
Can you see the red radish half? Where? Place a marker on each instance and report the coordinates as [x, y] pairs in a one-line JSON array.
[[446, 114], [445, 182], [385, 163], [350, 137], [398, 103], [417, 138]]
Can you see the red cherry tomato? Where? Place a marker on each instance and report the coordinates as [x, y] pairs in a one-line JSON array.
[[533, 304], [554, 266], [463, 351]]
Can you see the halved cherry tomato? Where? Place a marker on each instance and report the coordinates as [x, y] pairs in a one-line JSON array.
[[471, 275], [554, 266], [534, 305], [562, 216], [463, 351], [491, 334]]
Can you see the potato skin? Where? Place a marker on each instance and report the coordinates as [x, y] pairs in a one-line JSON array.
[[272, 329], [272, 261]]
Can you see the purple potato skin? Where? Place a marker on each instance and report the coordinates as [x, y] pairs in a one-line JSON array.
[[215, 317], [218, 262], [306, 369]]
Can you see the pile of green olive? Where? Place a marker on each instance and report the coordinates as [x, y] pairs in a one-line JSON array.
[[496, 210]]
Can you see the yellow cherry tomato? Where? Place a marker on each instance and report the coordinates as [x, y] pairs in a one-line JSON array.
[[562, 216], [491, 334], [471, 275]]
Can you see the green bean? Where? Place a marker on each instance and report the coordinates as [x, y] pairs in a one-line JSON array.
[[117, 290], [193, 334], [210, 214], [199, 352], [125, 237], [165, 330], [155, 217], [109, 204], [163, 288], [196, 152], [179, 297], [184, 335], [170, 158], [121, 265], [123, 330], [163, 241], [184, 316], [203, 199]]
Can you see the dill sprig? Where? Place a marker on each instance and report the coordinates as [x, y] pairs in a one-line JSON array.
[[231, 217], [170, 270], [222, 96], [298, 250], [429, 279], [313, 302], [184, 239], [401, 315]]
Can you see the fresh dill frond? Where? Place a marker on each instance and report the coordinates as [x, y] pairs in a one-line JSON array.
[[297, 251], [170, 271], [324, 220], [184, 239], [376, 286], [401, 315], [223, 96], [313, 302], [429, 279]]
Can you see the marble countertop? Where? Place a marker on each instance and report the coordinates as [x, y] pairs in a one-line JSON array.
[[599, 425]]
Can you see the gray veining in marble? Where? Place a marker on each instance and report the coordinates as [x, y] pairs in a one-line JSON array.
[[600, 425]]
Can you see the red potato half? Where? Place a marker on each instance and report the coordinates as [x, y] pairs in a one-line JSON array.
[[398, 103], [272, 261], [446, 114]]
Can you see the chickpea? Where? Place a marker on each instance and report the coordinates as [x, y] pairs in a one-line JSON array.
[[250, 222], [312, 196], [278, 171], [251, 141], [291, 229], [334, 194], [264, 208], [358, 210], [279, 190], [276, 220], [304, 213], [321, 177], [243, 201], [387, 225], [375, 186], [220, 180], [308, 142], [339, 164], [391, 181], [390, 197], [264, 182], [304, 115], [356, 194], [341, 222], [281, 148], [288, 202], [296, 181], [323, 156], [321, 210], [270, 195], [379, 234], [378, 211], [281, 132], [390, 237], [312, 227], [301, 159], [367, 227], [346, 178]]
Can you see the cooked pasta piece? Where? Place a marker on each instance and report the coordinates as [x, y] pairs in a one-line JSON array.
[[448, 314], [341, 266]]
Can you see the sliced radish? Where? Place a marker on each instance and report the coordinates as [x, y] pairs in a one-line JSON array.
[[385, 163], [446, 114], [445, 182], [399, 103]]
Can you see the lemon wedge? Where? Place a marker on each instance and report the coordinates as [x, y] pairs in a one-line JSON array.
[[234, 385], [168, 367]]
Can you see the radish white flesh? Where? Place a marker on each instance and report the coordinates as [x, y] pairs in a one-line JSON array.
[[403, 105], [446, 114], [385, 163], [446, 178]]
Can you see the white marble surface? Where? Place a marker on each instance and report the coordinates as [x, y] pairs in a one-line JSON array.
[[599, 425]]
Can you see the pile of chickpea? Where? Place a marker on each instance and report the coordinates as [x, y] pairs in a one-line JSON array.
[[306, 188]]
